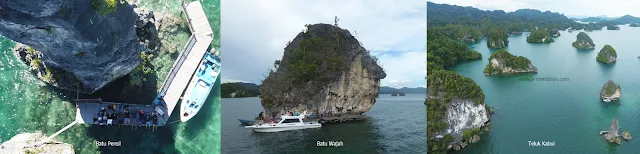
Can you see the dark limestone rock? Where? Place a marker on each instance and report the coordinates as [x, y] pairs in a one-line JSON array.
[[91, 47]]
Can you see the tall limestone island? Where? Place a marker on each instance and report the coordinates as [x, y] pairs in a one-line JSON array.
[[497, 38], [85, 43], [323, 70], [539, 36], [502, 62], [610, 91], [583, 41], [456, 111], [607, 55]]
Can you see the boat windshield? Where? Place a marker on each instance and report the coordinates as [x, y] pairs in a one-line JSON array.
[[291, 121]]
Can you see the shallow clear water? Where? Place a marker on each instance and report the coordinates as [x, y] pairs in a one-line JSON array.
[[29, 105], [396, 125], [567, 112]]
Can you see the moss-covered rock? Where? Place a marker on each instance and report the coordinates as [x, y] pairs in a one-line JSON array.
[[539, 36], [502, 62], [583, 41], [607, 55]]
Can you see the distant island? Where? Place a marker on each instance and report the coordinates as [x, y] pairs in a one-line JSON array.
[[239, 89], [540, 36], [403, 90], [502, 62], [634, 25], [613, 27]]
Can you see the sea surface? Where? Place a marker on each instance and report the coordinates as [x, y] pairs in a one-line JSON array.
[[396, 125], [561, 102], [29, 105]]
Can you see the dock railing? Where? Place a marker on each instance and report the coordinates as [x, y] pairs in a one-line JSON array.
[[176, 65]]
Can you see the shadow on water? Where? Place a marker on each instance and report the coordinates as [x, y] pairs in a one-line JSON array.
[[606, 68], [122, 91]]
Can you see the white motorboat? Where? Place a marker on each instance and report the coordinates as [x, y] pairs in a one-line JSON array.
[[200, 86], [286, 123]]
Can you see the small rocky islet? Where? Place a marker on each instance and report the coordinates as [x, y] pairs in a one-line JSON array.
[[610, 92], [502, 62], [612, 135], [607, 55], [540, 36], [583, 41]]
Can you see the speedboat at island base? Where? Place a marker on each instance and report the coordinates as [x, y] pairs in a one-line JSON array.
[[199, 87], [286, 123]]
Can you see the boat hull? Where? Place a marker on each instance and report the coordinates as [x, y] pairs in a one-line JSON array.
[[269, 129]]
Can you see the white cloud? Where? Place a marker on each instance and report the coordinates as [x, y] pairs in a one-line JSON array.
[[255, 33], [404, 70]]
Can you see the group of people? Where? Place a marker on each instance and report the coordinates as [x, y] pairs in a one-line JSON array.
[[273, 119], [126, 116]]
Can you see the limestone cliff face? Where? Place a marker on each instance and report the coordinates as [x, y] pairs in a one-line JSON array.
[[464, 115], [23, 143], [92, 48], [324, 69]]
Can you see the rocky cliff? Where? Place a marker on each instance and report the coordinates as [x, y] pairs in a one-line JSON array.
[[90, 43], [23, 143], [455, 111], [324, 70], [610, 91], [583, 41], [612, 134], [607, 55], [502, 62], [555, 33]]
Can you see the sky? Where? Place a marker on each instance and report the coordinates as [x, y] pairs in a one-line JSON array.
[[570, 8], [254, 34]]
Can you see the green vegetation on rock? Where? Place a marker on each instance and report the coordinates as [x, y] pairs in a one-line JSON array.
[[137, 76], [104, 6], [539, 36], [613, 27], [509, 60], [452, 86], [497, 38], [467, 134], [443, 51], [606, 53], [306, 65]]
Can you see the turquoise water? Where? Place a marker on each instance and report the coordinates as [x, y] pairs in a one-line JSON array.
[[396, 125], [567, 112], [28, 105]]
